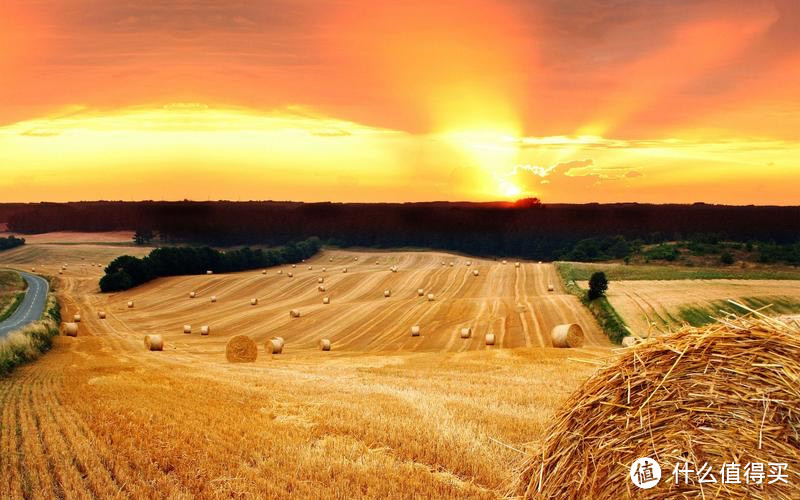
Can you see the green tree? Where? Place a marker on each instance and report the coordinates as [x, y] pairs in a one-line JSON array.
[[726, 258], [598, 284], [143, 236]]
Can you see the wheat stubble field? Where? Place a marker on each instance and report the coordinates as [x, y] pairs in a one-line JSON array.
[[382, 414]]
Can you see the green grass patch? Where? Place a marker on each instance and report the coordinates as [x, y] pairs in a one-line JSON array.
[[608, 318], [12, 291], [700, 315], [32, 341], [579, 271]]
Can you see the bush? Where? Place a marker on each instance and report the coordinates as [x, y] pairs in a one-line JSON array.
[[662, 252], [10, 242], [726, 258], [598, 284], [126, 272], [32, 341]]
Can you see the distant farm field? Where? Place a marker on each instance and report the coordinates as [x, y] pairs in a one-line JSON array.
[[581, 271], [380, 415]]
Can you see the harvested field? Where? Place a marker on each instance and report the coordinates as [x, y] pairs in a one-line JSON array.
[[12, 288], [670, 303], [70, 238], [344, 423]]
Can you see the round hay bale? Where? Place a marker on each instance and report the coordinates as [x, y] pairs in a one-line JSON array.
[[469, 263], [551, 287], [153, 343], [723, 393], [209, 272], [321, 288], [293, 266], [241, 349], [466, 332], [330, 259], [452, 264], [420, 292], [101, 314], [253, 302], [567, 335], [192, 295], [475, 272], [290, 274], [205, 330], [187, 328], [213, 298], [344, 270], [504, 263], [489, 339], [326, 300], [310, 268], [33, 269], [356, 259], [294, 313], [76, 318], [280, 340], [130, 304], [325, 344], [273, 346], [431, 297], [516, 264], [320, 280], [61, 272], [415, 331], [70, 329], [324, 269], [387, 293]]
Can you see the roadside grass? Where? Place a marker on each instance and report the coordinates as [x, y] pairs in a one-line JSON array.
[[32, 341], [701, 315], [581, 271], [12, 291], [610, 321]]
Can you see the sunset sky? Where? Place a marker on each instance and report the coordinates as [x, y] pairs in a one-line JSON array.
[[350, 100]]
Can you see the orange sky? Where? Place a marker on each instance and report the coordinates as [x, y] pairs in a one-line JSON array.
[[350, 100]]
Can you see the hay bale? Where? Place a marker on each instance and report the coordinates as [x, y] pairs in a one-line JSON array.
[[290, 274], [273, 346], [489, 339], [516, 264], [356, 259], [241, 349], [325, 344], [726, 392], [387, 293], [76, 318], [213, 298], [130, 304], [205, 330], [330, 259], [326, 300], [469, 263], [504, 263], [209, 272], [253, 302], [310, 268], [324, 269], [567, 335], [320, 280], [475, 272], [420, 292], [33, 269], [551, 287], [280, 271], [280, 340], [101, 314], [321, 288], [431, 297], [451, 264], [294, 313], [70, 329], [344, 270], [153, 343], [415, 331], [629, 341], [187, 328], [466, 332], [61, 272], [293, 266], [192, 295]]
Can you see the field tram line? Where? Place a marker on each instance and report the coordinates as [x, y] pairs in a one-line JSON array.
[[10, 439]]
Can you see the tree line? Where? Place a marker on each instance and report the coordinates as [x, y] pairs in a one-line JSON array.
[[529, 229], [126, 272]]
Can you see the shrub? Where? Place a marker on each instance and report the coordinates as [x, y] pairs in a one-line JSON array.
[[598, 284]]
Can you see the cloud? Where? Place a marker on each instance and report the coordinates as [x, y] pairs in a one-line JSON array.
[[633, 173]]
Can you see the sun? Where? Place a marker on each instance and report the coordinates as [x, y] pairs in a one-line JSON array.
[[509, 189]]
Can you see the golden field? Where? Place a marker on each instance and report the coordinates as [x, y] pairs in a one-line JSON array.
[[383, 414], [659, 302]]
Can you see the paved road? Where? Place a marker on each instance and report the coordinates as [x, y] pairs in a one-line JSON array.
[[31, 307]]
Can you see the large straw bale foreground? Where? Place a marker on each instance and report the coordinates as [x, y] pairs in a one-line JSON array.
[[729, 392]]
